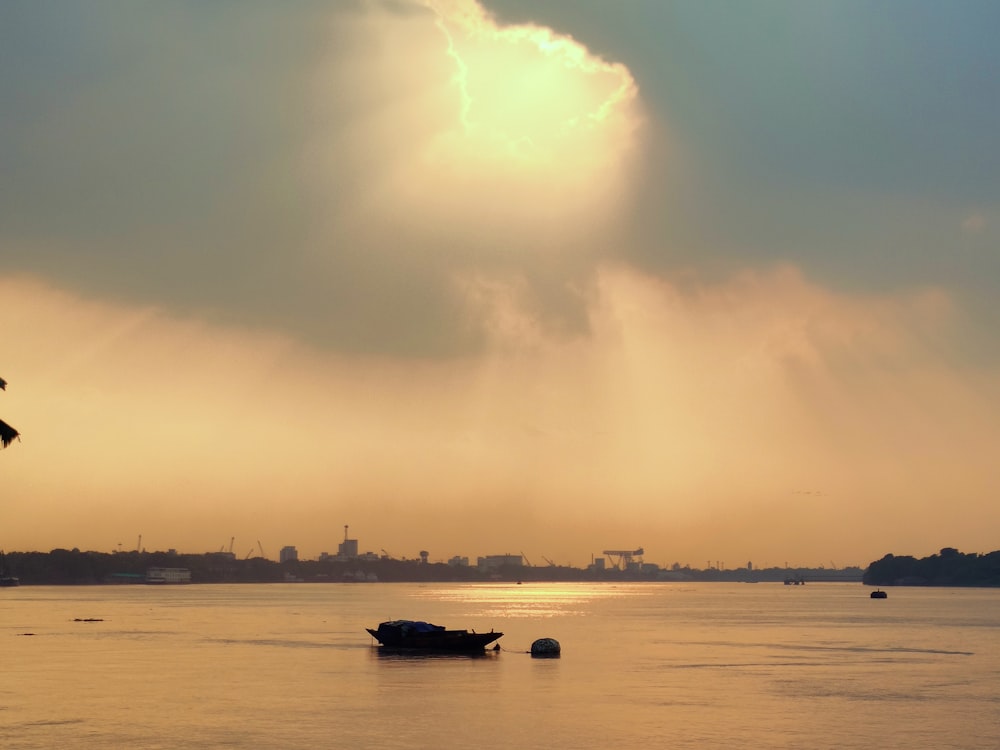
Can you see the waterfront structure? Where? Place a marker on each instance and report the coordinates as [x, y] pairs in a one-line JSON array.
[[288, 554], [168, 575], [347, 549], [492, 562]]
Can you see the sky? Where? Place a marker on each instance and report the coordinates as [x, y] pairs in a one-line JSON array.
[[714, 279]]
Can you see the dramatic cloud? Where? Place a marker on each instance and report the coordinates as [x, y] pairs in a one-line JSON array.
[[469, 154], [342, 186]]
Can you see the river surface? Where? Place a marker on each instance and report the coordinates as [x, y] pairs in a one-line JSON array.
[[646, 665]]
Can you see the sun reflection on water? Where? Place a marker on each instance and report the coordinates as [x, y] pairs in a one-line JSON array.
[[544, 600]]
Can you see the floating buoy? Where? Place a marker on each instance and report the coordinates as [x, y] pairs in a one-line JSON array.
[[545, 647]]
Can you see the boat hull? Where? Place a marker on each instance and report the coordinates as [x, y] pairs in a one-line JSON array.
[[404, 635]]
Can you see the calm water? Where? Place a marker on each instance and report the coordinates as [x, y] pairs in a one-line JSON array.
[[643, 666]]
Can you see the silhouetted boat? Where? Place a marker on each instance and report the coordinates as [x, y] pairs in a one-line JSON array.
[[879, 594], [416, 634]]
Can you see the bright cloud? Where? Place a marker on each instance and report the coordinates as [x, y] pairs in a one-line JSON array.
[[533, 98], [475, 138]]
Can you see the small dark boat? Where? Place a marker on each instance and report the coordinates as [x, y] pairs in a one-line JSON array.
[[416, 634], [879, 594]]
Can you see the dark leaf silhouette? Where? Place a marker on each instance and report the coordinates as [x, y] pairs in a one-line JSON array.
[[7, 434]]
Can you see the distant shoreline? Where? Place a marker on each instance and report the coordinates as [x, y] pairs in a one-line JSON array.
[[63, 567]]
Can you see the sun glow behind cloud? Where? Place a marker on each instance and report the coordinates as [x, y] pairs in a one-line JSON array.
[[531, 97], [472, 127]]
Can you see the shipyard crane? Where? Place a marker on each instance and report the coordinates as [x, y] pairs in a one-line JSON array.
[[622, 558], [261, 548], [551, 564], [526, 559]]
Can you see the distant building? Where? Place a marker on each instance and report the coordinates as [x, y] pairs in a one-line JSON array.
[[347, 549], [288, 554], [492, 562], [459, 562]]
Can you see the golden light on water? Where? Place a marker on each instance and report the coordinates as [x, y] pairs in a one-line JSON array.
[[530, 600]]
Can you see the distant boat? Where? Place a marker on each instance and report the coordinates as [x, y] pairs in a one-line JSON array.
[[416, 634], [160, 576], [879, 594], [6, 579]]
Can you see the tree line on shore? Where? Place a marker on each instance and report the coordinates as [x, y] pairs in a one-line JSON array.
[[947, 568]]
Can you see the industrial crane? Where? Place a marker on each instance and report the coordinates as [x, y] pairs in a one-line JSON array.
[[622, 558]]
